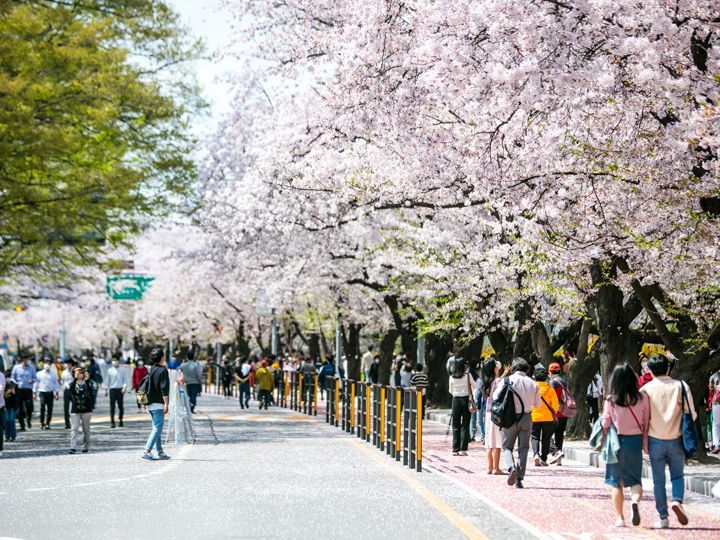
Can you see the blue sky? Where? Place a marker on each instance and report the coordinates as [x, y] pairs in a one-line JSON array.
[[208, 22]]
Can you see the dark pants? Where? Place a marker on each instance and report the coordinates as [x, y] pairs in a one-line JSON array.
[[67, 397], [193, 390], [46, 407], [227, 388], [25, 403], [519, 432], [560, 433], [460, 423], [541, 434], [116, 397], [244, 392], [2, 427], [593, 411], [265, 398]]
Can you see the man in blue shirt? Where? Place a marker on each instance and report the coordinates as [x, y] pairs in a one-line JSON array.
[[24, 375]]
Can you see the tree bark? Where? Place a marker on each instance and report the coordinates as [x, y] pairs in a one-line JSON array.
[[387, 349], [437, 349], [541, 343], [351, 347]]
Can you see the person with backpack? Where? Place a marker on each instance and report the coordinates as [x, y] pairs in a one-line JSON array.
[[515, 398], [83, 392], [490, 377], [543, 418], [462, 388], [669, 399], [265, 383], [156, 389], [567, 409], [628, 410]]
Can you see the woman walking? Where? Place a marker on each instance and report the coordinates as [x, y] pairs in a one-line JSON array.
[[544, 418], [629, 411], [82, 395], [490, 377], [462, 388]]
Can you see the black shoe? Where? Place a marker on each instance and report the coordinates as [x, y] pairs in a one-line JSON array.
[[121, 424], [85, 450], [512, 476], [72, 452], [22, 428], [112, 425], [67, 427], [635, 514], [518, 484]]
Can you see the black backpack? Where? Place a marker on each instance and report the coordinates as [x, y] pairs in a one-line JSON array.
[[502, 411], [142, 392]]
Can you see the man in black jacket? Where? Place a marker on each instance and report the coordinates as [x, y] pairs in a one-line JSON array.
[[158, 392], [82, 397]]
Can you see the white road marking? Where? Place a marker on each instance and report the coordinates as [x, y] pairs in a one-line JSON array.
[[41, 489]]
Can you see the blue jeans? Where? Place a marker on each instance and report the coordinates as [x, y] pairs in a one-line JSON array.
[[10, 427], [668, 453], [193, 389], [155, 439], [244, 391], [477, 419]]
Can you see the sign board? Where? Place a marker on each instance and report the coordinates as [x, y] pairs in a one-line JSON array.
[[127, 286]]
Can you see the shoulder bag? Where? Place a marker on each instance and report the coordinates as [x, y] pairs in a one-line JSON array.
[[691, 444], [471, 398]]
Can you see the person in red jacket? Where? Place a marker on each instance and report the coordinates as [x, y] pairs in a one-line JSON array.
[[139, 373]]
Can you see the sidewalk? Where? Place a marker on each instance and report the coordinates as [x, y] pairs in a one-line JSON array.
[[699, 478]]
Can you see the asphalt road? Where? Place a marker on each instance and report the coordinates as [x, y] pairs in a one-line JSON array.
[[251, 474]]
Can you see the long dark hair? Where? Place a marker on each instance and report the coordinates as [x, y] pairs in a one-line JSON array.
[[624, 386], [487, 374], [458, 368]]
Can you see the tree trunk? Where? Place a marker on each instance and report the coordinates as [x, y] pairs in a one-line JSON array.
[[351, 347], [617, 343], [541, 343], [387, 349], [242, 348], [471, 350], [437, 349], [581, 373], [501, 344], [405, 327]]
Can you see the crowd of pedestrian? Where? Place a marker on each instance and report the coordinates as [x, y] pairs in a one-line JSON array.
[[525, 408]]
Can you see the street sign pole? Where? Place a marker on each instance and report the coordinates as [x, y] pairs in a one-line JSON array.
[[421, 350], [62, 342], [274, 335]]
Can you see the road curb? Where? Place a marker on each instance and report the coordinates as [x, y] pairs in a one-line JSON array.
[[697, 483]]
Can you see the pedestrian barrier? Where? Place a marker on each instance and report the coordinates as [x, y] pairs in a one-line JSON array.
[[389, 418]]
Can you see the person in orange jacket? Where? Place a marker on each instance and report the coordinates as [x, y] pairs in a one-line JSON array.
[[544, 417]]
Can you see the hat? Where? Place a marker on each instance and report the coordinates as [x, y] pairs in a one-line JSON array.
[[555, 368]]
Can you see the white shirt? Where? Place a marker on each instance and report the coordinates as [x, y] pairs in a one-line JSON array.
[[525, 388], [462, 386], [116, 377], [66, 378], [595, 387], [367, 360], [45, 381]]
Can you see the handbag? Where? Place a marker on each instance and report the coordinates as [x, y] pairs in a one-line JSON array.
[[690, 441], [471, 399]]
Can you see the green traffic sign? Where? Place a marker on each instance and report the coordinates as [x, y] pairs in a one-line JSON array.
[[127, 287]]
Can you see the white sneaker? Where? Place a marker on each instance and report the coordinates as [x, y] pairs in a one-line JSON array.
[[662, 524], [620, 522], [679, 512], [555, 457]]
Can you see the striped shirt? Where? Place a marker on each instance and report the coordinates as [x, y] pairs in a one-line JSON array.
[[419, 380]]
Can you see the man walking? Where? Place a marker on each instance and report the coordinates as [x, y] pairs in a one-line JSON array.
[[665, 445], [367, 361], [526, 397], [24, 375], [242, 375], [158, 393], [192, 370], [594, 391], [46, 387], [65, 379], [116, 386]]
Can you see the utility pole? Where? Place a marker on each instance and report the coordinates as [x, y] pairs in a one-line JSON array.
[[421, 350], [274, 334]]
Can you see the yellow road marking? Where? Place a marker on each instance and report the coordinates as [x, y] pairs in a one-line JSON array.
[[464, 526]]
